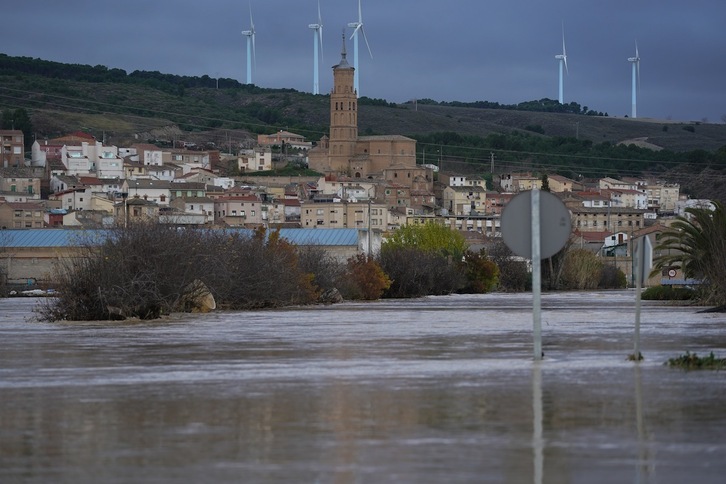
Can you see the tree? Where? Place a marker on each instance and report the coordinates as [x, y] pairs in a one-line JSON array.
[[415, 272], [582, 270], [364, 279], [429, 237], [20, 120], [513, 273], [423, 260], [482, 274], [545, 183], [696, 243]]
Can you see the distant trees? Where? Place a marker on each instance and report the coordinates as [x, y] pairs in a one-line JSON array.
[[18, 119], [544, 105]]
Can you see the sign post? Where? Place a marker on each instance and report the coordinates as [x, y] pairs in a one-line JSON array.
[[536, 225], [536, 274], [644, 261]]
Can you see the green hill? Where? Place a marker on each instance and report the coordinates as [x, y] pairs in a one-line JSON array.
[[142, 106]]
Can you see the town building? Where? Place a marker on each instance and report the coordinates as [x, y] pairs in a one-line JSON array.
[[12, 148], [277, 139]]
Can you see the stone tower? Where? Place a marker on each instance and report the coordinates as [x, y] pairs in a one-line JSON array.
[[343, 115]]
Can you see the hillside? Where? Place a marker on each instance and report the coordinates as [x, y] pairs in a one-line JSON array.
[[142, 106], [126, 107]]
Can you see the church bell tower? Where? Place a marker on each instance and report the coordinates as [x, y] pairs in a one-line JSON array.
[[343, 115]]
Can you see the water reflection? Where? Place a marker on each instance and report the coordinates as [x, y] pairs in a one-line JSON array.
[[537, 439], [431, 391]]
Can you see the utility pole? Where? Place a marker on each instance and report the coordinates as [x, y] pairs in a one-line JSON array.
[[491, 169]]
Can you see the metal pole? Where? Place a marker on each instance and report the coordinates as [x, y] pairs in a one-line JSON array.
[[369, 227], [638, 284], [536, 275]]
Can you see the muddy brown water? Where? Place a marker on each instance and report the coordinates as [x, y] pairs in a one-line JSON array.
[[440, 389]]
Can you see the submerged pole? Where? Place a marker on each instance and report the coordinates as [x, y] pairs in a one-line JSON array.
[[536, 276]]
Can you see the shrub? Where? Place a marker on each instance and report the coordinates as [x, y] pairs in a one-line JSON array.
[[582, 270], [148, 270], [693, 362], [364, 279], [612, 277], [668, 293], [513, 273], [481, 273], [415, 272]]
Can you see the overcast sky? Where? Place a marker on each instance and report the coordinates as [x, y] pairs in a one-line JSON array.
[[456, 50]]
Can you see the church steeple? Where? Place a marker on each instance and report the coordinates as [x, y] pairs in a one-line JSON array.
[[343, 112], [343, 64]]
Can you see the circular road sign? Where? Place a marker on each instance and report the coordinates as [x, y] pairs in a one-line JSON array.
[[516, 224]]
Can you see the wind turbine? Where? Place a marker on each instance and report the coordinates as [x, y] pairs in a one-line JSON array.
[[358, 27], [563, 66], [317, 40], [636, 81], [250, 34]]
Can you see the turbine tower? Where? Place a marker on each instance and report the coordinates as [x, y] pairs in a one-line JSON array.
[[317, 40], [636, 81], [563, 67], [358, 28], [250, 34]]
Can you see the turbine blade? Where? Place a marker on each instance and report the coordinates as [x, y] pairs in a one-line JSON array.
[[564, 58], [355, 31], [320, 19], [366, 39], [320, 41], [360, 14]]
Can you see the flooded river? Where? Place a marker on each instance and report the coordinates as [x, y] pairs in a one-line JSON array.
[[436, 390]]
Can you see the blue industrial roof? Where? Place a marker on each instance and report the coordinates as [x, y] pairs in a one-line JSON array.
[[29, 238]]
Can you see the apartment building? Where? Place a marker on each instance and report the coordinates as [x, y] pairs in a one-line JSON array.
[[12, 149]]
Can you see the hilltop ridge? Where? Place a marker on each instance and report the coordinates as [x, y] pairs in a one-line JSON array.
[[63, 97]]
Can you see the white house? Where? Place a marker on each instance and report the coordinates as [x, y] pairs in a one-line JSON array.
[[259, 159]]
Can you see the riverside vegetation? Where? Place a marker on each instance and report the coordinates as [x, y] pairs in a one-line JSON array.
[[149, 270]]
